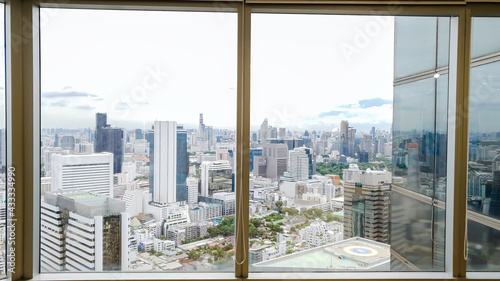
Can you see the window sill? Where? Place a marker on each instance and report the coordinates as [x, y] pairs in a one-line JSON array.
[[91, 276]]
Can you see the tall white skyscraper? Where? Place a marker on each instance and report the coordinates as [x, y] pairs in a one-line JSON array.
[[165, 161], [85, 173]]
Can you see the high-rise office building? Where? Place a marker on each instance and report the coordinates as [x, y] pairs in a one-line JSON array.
[[263, 132], [84, 173], [165, 162], [298, 164], [273, 162], [150, 138], [83, 232], [182, 164], [216, 176], [282, 133], [67, 142], [254, 152], [344, 137], [367, 205], [138, 134], [109, 140], [192, 190], [201, 128]]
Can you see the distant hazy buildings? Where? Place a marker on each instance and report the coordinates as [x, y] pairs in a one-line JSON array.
[[264, 131]]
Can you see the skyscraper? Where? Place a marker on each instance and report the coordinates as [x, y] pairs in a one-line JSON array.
[[264, 134], [165, 162], [273, 162], [150, 138], [109, 140], [344, 137], [182, 164], [201, 128], [298, 164], [367, 204], [83, 232]]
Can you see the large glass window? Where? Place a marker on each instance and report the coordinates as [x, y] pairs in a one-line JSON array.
[[349, 135], [483, 195], [138, 119]]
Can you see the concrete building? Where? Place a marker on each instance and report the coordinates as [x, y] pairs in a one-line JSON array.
[[367, 205], [203, 211], [192, 190], [135, 200], [83, 232], [216, 176], [160, 245], [129, 169], [273, 162], [319, 233], [165, 162], [226, 199], [83, 173], [298, 164]]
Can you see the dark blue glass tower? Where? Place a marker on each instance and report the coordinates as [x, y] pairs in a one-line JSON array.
[[109, 140], [182, 164]]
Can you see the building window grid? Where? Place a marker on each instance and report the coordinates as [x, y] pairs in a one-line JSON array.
[[465, 90]]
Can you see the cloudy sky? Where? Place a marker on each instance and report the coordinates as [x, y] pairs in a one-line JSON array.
[[307, 71]]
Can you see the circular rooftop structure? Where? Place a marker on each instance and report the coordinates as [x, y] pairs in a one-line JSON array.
[[361, 251]]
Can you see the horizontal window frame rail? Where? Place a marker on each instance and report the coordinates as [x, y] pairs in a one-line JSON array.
[[178, 5], [360, 2], [417, 8]]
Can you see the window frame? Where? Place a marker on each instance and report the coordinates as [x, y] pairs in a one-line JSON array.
[[23, 119]]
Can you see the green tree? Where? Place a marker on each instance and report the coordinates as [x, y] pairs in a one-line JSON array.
[[256, 222], [227, 247], [290, 211], [193, 254], [253, 232], [279, 204]]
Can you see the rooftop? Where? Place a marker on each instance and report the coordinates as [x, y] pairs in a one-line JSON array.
[[351, 254]]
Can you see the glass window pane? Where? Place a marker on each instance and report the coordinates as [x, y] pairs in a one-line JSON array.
[[483, 195], [345, 143], [138, 117], [483, 41], [415, 38]]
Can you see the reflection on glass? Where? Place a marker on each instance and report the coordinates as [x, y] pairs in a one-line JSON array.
[[338, 176], [138, 141], [483, 195], [483, 43], [415, 41]]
